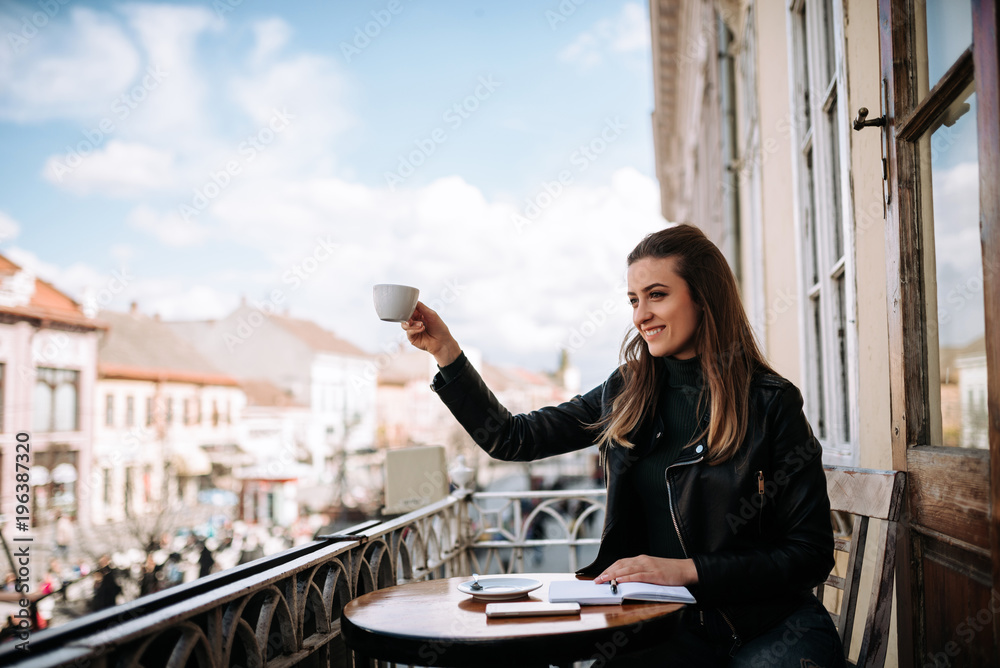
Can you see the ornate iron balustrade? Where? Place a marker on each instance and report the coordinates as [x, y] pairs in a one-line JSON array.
[[284, 610], [506, 524]]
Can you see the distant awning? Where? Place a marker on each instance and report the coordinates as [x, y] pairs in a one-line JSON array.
[[193, 462], [274, 471], [64, 473]]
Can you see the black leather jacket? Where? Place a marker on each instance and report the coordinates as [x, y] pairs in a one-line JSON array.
[[757, 526]]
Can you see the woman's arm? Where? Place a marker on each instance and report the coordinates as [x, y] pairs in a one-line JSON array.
[[542, 433]]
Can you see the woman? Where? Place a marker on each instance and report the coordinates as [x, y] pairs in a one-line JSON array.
[[715, 480]]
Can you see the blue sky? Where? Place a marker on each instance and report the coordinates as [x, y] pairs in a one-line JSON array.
[[497, 155]]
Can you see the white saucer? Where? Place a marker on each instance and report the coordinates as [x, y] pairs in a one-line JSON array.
[[499, 587]]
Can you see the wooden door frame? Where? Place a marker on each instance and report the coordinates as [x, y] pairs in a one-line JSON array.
[[985, 31], [908, 347]]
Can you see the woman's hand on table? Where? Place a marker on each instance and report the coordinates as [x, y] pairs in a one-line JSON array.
[[426, 330], [655, 570]]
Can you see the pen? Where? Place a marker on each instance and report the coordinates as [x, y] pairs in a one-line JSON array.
[[614, 586]]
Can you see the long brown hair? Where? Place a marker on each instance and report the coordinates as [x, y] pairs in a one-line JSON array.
[[724, 341]]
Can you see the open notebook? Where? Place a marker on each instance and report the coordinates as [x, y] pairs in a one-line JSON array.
[[585, 592]]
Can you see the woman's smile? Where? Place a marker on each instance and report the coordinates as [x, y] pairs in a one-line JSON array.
[[662, 307]]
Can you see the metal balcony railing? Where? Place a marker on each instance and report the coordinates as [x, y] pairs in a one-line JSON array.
[[284, 610]]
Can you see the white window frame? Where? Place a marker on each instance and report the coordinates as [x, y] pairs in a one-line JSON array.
[[749, 181], [829, 387]]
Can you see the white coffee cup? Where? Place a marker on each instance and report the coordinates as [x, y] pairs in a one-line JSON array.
[[395, 303]]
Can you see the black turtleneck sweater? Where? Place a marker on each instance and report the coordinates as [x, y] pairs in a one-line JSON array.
[[679, 388]]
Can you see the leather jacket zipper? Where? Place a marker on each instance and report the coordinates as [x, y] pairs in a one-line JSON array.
[[670, 500], [760, 494], [673, 516]]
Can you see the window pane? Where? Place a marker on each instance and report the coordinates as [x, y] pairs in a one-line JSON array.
[[828, 40], [41, 407], [949, 33], [66, 401], [819, 421], [959, 276], [843, 396], [837, 222], [809, 223], [802, 79]]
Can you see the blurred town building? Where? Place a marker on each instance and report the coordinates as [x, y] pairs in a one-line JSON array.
[[162, 413], [48, 368], [410, 414], [313, 395]]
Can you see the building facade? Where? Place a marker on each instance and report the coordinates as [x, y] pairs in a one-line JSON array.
[[48, 365], [311, 367], [161, 412], [844, 155]]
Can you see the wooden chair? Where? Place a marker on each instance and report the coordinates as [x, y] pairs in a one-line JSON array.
[[866, 494]]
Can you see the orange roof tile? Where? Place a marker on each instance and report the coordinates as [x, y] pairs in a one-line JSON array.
[[138, 347], [47, 303], [262, 392], [159, 374]]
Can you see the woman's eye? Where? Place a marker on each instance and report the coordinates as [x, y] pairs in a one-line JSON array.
[[657, 295]]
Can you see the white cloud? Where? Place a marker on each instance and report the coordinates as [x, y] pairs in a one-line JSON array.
[[170, 227], [68, 69], [177, 299], [177, 109], [311, 90], [271, 35], [522, 295], [119, 170], [121, 252], [631, 32], [518, 296], [628, 33], [9, 228]]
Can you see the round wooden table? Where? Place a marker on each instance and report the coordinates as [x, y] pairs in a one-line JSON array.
[[432, 623]]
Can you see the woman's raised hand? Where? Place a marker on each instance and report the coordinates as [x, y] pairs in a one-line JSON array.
[[426, 330]]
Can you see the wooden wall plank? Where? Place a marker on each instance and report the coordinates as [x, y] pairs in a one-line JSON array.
[[948, 490]]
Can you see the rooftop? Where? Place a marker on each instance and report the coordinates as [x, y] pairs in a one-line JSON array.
[[23, 295], [139, 347]]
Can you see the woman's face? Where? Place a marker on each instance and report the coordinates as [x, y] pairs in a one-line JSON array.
[[662, 308]]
